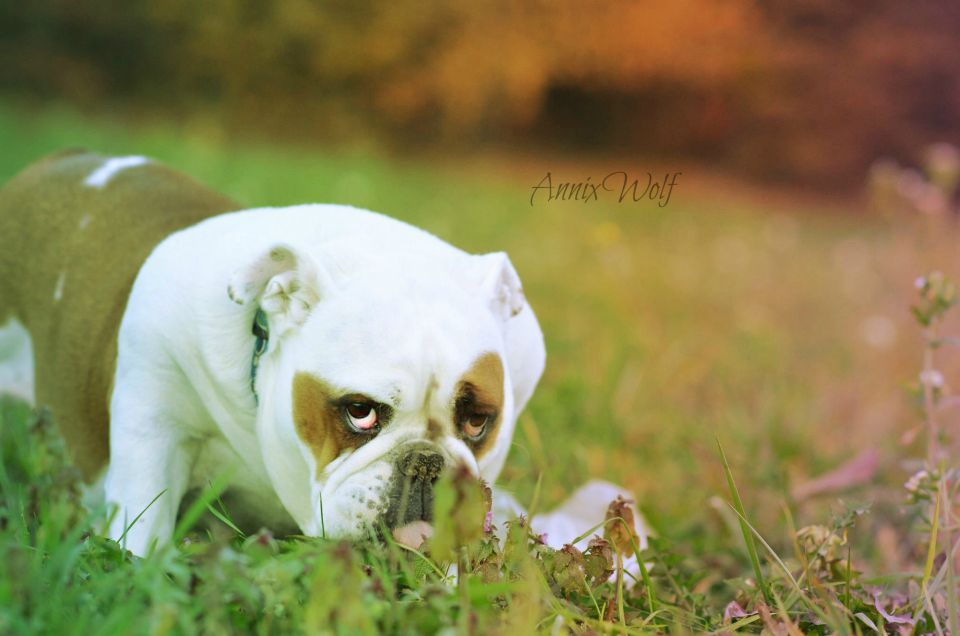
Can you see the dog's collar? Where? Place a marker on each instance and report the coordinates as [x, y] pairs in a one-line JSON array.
[[261, 329]]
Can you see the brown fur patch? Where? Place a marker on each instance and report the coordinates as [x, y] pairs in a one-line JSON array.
[[53, 228], [480, 390], [318, 421]]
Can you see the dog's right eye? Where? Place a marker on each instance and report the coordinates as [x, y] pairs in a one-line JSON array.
[[362, 417]]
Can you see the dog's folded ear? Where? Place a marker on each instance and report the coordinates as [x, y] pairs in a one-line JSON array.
[[500, 283], [284, 282], [523, 339]]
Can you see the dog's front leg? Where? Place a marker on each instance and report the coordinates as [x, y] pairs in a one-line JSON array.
[[150, 461]]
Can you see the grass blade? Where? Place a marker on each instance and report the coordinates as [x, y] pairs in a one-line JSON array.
[[210, 494], [123, 537], [953, 611], [932, 551], [225, 520], [775, 558], [744, 529]]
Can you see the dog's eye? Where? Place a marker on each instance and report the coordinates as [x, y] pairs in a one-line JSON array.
[[362, 416], [475, 426]]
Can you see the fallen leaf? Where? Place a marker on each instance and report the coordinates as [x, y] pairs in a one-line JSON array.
[[854, 472], [733, 610]]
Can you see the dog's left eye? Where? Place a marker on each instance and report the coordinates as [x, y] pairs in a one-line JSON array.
[[362, 417], [475, 426]]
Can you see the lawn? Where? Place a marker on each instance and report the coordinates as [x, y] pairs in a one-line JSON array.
[[773, 323]]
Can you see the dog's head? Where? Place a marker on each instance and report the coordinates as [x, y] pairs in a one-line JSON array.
[[381, 375]]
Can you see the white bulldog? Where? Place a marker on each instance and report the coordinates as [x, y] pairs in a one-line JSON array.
[[332, 361]]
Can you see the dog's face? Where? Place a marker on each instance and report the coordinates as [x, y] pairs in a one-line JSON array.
[[385, 378]]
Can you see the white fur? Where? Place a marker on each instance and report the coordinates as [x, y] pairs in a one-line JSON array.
[[100, 177], [16, 361]]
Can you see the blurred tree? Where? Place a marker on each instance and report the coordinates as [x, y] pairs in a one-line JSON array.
[[802, 89]]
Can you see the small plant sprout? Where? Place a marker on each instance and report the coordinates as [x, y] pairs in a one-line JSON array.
[[934, 485], [621, 531]]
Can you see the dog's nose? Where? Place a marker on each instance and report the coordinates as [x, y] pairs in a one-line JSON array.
[[412, 494], [421, 464]]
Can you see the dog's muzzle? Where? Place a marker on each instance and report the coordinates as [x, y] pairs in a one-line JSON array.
[[411, 496]]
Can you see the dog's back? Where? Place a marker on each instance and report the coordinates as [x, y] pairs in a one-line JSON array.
[[75, 227]]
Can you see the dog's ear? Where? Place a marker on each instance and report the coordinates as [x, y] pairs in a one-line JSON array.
[[284, 282], [522, 336], [499, 283]]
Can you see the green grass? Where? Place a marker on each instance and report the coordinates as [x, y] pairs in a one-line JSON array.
[[781, 330]]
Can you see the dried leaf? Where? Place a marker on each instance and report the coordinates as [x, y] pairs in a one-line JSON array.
[[620, 528], [566, 569], [598, 560]]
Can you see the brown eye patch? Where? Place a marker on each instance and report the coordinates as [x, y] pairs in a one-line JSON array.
[[320, 418], [478, 403]]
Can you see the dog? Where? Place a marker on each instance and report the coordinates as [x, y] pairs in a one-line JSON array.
[[332, 362]]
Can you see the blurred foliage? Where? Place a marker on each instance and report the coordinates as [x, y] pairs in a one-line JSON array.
[[930, 192], [810, 91]]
